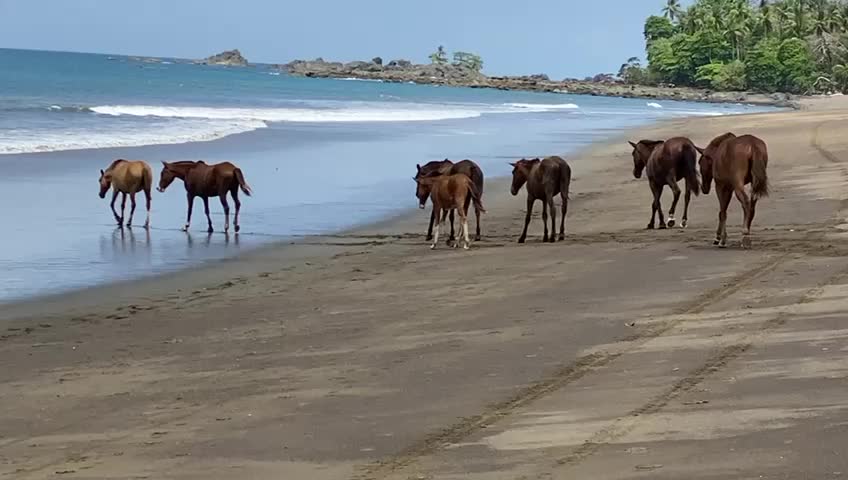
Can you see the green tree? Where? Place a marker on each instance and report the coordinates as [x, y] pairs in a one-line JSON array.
[[468, 60], [763, 69], [672, 10], [796, 65], [657, 28], [439, 57]]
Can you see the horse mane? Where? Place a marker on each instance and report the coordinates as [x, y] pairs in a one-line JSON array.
[[115, 164]]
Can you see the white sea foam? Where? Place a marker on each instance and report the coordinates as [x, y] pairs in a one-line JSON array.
[[654, 105], [542, 107], [175, 133], [410, 113]]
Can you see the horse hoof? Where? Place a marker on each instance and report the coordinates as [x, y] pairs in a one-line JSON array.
[[716, 242], [433, 246], [670, 223], [650, 226], [746, 242], [477, 238], [210, 230], [521, 240], [684, 223], [561, 238], [238, 228], [465, 247]]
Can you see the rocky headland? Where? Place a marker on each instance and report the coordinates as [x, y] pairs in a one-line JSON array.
[[459, 76], [232, 58]]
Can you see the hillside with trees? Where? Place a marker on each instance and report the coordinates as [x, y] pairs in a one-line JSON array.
[[796, 46]]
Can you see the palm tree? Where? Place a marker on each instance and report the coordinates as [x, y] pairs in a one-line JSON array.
[[672, 10]]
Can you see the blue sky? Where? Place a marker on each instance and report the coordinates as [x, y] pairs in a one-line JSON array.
[[558, 37]]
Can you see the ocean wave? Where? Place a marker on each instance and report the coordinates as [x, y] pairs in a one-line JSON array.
[[654, 105], [176, 133], [412, 113], [542, 107]]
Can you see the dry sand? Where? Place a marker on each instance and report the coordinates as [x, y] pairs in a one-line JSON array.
[[619, 353]]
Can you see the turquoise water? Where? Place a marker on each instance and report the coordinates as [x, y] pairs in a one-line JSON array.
[[63, 116]]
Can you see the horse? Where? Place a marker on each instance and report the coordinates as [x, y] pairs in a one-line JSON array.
[[446, 167], [452, 192], [667, 162], [127, 177], [545, 179], [204, 181], [734, 162]]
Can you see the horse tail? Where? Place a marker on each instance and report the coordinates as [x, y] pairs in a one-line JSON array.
[[690, 162], [759, 177], [565, 178], [242, 183], [475, 196], [147, 178]]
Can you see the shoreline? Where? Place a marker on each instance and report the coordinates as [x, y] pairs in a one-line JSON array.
[[287, 249]]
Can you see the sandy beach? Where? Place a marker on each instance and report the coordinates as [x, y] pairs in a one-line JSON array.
[[619, 353]]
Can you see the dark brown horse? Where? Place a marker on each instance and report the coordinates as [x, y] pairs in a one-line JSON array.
[[446, 167], [734, 162], [545, 179], [204, 181], [127, 177], [667, 162], [452, 192]]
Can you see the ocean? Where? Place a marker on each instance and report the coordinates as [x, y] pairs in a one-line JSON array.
[[321, 155]]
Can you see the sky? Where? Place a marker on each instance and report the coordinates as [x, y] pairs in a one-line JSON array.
[[562, 38]]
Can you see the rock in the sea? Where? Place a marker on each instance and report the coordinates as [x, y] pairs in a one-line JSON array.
[[377, 61], [231, 58]]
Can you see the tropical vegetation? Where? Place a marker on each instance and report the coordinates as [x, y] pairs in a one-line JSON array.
[[467, 60], [796, 46]]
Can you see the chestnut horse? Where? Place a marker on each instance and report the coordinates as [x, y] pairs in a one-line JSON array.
[[734, 162], [452, 192], [127, 177], [204, 181], [667, 162], [446, 167], [545, 179]]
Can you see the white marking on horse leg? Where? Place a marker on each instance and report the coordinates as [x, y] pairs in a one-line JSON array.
[[465, 233], [435, 236]]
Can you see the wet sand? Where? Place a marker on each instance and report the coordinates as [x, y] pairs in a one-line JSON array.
[[619, 353]]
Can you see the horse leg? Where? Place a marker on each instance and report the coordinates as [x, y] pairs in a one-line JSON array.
[[132, 209], [226, 206], [551, 205], [724, 194], [675, 189], [564, 197], [430, 228], [438, 213], [452, 237], [147, 196], [237, 202], [190, 199], [123, 207], [530, 201], [463, 218], [114, 198], [208, 218], [687, 198], [743, 198], [477, 214], [655, 205], [545, 219]]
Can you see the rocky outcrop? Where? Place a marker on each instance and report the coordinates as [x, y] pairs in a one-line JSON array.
[[232, 58], [458, 76]]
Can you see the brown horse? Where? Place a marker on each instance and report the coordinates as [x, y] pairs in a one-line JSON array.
[[734, 162], [545, 179], [667, 163], [204, 181], [452, 192], [127, 177], [446, 167]]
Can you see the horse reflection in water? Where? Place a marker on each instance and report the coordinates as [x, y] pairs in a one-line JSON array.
[[207, 240], [125, 243]]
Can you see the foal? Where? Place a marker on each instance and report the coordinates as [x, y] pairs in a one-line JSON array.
[[127, 177], [446, 167], [204, 181], [449, 192], [667, 163], [545, 179], [735, 162]]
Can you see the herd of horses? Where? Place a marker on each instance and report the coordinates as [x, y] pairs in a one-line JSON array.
[[731, 162]]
